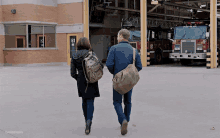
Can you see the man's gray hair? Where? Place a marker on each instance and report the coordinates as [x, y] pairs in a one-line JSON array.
[[125, 33]]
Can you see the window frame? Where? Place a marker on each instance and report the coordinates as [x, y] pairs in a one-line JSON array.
[[25, 38]]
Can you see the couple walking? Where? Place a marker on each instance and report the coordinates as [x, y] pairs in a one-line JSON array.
[[119, 57]]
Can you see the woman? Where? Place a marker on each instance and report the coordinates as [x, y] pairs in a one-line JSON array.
[[82, 48]]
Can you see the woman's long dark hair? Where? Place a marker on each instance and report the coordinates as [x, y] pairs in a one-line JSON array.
[[83, 43]]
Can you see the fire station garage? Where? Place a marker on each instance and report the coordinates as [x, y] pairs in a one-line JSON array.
[[163, 31], [177, 31]]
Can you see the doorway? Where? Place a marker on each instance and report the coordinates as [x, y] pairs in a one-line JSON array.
[[71, 43]]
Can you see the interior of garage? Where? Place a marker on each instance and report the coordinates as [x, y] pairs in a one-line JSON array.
[[107, 17]]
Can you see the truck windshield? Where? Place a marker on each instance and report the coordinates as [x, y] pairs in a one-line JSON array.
[[135, 35], [190, 32]]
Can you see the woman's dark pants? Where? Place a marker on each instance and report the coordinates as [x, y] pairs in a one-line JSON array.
[[88, 108]]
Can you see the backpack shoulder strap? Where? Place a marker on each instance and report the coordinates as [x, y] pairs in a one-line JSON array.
[[134, 56]]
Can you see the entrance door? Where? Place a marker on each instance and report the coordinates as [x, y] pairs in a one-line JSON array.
[[100, 45], [71, 43]]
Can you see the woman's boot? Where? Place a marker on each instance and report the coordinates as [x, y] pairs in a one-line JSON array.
[[88, 127]]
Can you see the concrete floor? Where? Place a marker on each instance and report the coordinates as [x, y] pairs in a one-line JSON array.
[[168, 102]]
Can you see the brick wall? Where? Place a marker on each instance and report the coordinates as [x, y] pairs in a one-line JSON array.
[[39, 56], [29, 12], [70, 13]]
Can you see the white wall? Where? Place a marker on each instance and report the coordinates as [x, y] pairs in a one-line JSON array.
[[78, 28], [68, 1], [38, 2]]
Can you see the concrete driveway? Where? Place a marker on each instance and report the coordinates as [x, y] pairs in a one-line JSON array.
[[168, 102]]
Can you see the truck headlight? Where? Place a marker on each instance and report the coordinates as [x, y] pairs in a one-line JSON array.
[[177, 47], [199, 48]]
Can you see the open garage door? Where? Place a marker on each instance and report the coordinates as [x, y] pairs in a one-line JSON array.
[[107, 17]]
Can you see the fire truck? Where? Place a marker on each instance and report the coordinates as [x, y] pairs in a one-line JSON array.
[[158, 43], [191, 41]]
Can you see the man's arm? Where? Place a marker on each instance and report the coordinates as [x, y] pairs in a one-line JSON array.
[[138, 61], [73, 69], [110, 60]]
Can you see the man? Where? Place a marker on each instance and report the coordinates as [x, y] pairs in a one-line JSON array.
[[119, 57]]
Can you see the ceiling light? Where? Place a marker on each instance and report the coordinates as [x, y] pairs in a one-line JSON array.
[[154, 2]]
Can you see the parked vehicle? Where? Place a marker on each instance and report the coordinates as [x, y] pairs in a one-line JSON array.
[[191, 42], [158, 43]]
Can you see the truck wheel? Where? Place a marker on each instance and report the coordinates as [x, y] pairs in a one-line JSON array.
[[158, 58]]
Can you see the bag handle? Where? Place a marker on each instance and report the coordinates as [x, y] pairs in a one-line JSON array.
[[134, 56]]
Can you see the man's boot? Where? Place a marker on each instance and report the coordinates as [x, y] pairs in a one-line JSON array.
[[124, 127]]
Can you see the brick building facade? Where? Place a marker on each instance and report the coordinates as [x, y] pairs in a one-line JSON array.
[[39, 31]]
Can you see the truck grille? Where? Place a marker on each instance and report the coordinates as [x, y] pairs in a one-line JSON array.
[[189, 46]]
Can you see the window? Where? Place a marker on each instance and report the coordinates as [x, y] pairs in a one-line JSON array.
[[15, 36], [37, 39], [30, 36]]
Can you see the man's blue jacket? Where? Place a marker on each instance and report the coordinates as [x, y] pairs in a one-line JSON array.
[[120, 56]]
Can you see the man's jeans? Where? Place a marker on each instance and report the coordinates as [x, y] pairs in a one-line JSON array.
[[117, 101], [88, 108]]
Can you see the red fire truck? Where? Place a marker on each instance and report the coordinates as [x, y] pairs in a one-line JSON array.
[[191, 41], [158, 43]]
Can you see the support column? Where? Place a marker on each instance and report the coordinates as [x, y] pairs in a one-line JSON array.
[[86, 18], [213, 33], [27, 36], [126, 6], [165, 11], [135, 4], [116, 5], [43, 37], [143, 8]]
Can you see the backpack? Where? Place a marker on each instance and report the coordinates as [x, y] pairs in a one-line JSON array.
[[126, 79], [92, 68]]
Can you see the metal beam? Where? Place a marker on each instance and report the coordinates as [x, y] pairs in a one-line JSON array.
[[165, 20], [162, 23], [151, 22], [213, 33], [195, 5], [168, 15], [185, 6], [154, 8], [186, 1], [126, 9]]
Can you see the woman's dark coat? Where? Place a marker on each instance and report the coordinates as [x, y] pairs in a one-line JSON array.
[[76, 64]]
